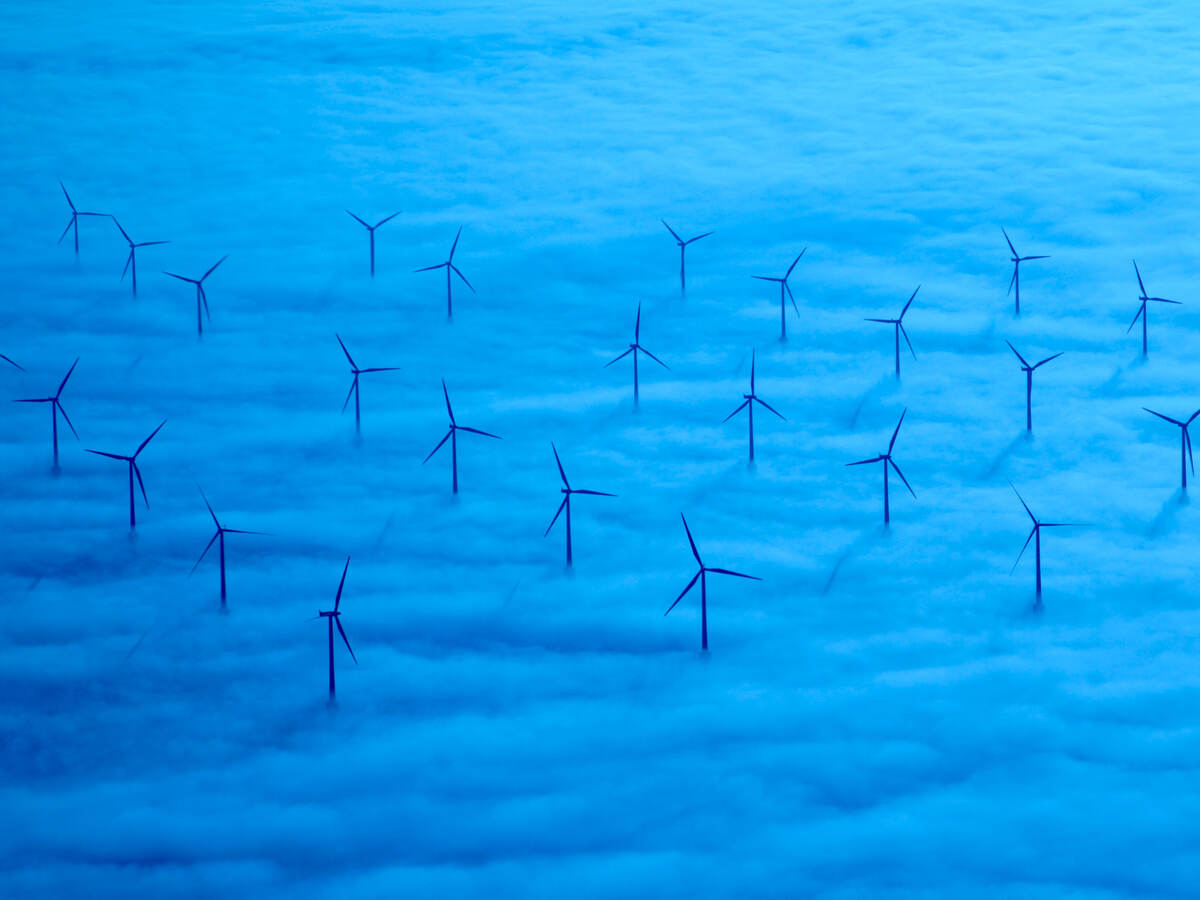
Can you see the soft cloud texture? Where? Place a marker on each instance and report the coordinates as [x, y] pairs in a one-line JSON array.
[[882, 716]]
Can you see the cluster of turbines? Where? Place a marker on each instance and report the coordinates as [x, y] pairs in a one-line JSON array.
[[749, 400]]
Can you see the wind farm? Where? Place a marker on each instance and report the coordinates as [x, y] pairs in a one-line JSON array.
[[863, 721]]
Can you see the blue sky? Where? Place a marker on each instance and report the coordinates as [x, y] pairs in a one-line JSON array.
[[881, 716]]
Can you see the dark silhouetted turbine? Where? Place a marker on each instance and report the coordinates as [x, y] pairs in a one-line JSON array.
[[886, 459], [702, 577]]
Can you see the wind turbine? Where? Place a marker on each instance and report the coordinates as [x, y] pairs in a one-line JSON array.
[[201, 296], [886, 459], [219, 539], [356, 371], [1185, 443], [1017, 259], [371, 232], [134, 470], [1029, 382], [335, 618], [682, 244], [784, 289], [73, 223], [567, 491], [131, 259], [56, 407], [1142, 313], [1035, 535], [701, 576], [452, 437], [898, 325], [449, 266], [748, 402], [634, 348]]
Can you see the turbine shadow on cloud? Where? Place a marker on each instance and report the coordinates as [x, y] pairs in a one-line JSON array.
[[1168, 513], [868, 536], [1023, 438]]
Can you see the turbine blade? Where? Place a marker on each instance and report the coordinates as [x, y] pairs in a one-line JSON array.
[[181, 277], [67, 229], [698, 237], [771, 408], [142, 445], [389, 218], [203, 300], [619, 358], [380, 369], [892, 442], [695, 552], [151, 243], [745, 403], [668, 227], [1163, 300], [885, 321], [205, 553], [243, 531], [350, 393], [214, 266], [124, 233], [477, 431], [1161, 416], [1009, 242], [463, 277], [141, 484], [110, 455], [909, 303], [454, 246], [62, 384], [691, 584], [1138, 272], [902, 478], [906, 340], [753, 364], [1141, 310], [344, 350], [438, 447], [766, 278], [209, 505], [345, 640], [1032, 532], [863, 462], [1019, 356], [737, 574], [358, 220], [1196, 413], [1023, 258], [68, 196], [446, 394], [11, 362], [560, 466], [561, 507], [1023, 503], [593, 493], [653, 357], [637, 325], [787, 287], [337, 599], [1012, 280], [431, 268], [62, 409], [793, 265]]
